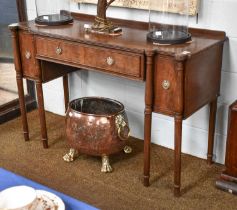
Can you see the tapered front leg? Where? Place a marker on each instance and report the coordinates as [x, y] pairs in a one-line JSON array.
[[177, 154], [211, 133], [21, 94], [66, 91], [19, 78], [40, 98]]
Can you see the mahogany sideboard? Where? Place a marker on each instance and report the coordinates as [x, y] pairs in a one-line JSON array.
[[180, 79]]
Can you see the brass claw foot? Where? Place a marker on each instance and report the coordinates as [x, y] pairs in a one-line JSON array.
[[106, 167], [71, 156], [127, 149]]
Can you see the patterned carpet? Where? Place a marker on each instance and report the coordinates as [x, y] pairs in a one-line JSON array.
[[121, 189]]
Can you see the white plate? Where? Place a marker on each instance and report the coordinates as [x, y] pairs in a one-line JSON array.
[[48, 200]]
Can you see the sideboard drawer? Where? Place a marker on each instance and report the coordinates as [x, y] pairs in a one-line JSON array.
[[115, 61], [59, 50], [107, 60]]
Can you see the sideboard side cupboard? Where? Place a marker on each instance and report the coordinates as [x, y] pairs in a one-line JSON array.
[[179, 79]]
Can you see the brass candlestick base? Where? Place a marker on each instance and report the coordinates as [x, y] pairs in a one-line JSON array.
[[105, 26]]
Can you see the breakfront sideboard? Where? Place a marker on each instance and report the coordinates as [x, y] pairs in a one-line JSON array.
[[179, 79]]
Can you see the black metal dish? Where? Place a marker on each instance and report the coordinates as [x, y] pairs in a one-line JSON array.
[[168, 37], [53, 20]]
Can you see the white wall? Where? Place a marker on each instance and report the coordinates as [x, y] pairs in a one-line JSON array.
[[214, 14]]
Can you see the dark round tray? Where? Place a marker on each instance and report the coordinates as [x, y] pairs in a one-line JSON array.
[[169, 37], [53, 20]]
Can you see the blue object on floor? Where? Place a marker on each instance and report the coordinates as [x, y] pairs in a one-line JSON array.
[[9, 179]]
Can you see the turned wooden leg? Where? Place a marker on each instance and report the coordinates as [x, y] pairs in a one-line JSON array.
[[147, 143], [21, 94], [177, 154], [66, 91], [211, 133], [19, 78], [40, 98], [148, 117]]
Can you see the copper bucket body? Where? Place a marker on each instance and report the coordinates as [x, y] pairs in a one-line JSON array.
[[96, 126]]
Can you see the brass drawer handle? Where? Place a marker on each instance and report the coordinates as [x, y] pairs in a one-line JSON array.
[[28, 55], [110, 61], [166, 84], [59, 51]]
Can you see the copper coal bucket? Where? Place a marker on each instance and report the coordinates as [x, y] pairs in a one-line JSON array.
[[96, 126]]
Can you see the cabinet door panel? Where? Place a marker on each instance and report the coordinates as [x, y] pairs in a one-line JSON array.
[[27, 51], [166, 86]]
